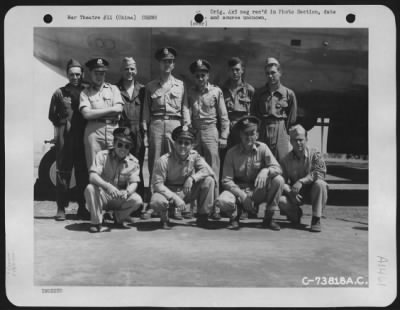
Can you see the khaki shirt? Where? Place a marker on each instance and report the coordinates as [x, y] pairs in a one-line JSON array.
[[172, 171], [166, 100], [133, 107], [241, 168], [307, 169], [237, 100], [281, 104], [207, 107], [119, 173], [107, 96]]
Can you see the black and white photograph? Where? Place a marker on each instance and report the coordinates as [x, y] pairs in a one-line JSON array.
[[202, 156]]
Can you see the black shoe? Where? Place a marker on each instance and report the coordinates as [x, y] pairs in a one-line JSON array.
[[215, 216], [83, 214], [297, 221], [234, 224], [187, 215], [165, 225], [122, 225], [244, 215], [60, 216], [177, 215], [271, 224], [202, 220], [108, 218], [315, 224]]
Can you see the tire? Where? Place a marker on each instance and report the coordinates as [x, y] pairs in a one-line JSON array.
[[47, 172]]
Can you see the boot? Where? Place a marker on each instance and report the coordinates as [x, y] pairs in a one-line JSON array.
[[82, 213], [164, 221], [234, 223], [60, 216], [315, 224], [269, 222]]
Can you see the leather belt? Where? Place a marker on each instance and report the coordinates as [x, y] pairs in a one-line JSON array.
[[166, 117]]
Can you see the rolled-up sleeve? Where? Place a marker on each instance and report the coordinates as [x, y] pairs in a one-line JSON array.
[[84, 101], [117, 98], [159, 178], [317, 169]]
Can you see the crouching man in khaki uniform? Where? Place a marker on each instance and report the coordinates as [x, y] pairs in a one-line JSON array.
[[250, 177], [182, 176], [304, 171], [114, 177]]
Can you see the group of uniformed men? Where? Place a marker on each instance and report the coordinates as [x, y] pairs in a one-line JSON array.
[[103, 130]]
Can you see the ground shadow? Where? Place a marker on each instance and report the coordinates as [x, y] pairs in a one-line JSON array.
[[78, 227], [67, 217]]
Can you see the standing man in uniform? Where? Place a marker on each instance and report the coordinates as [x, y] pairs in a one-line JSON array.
[[304, 171], [209, 115], [132, 93], [165, 107], [69, 125], [101, 104], [251, 177], [237, 95], [114, 176], [276, 106], [182, 176]]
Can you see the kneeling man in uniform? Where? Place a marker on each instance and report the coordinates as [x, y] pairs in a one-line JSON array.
[[182, 176], [114, 177], [251, 176], [304, 171]]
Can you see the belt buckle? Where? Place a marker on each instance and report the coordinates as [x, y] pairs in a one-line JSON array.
[[166, 117]]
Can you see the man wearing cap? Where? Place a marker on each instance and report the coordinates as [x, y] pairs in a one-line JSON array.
[[182, 176], [69, 127], [237, 96], [101, 104], [209, 115], [114, 176], [132, 93], [304, 171], [165, 107], [251, 177], [276, 106]]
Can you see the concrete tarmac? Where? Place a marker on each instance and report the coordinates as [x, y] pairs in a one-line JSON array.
[[66, 254]]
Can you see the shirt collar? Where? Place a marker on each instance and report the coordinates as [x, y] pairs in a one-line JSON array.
[[280, 90], [306, 154], [115, 157], [254, 148]]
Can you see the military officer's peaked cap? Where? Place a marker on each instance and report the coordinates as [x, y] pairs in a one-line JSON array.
[[296, 131], [200, 65], [165, 53], [234, 61], [123, 134], [99, 64], [247, 123], [73, 63], [183, 132], [271, 61]]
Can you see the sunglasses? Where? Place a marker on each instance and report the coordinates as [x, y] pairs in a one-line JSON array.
[[123, 145], [183, 142]]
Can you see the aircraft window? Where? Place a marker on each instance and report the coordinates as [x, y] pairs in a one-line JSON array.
[[295, 42]]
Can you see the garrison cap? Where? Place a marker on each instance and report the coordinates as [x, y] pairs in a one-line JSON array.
[[165, 53], [184, 132], [73, 63], [297, 130], [127, 61], [200, 65], [123, 134], [97, 63], [271, 61], [234, 61], [247, 123]]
